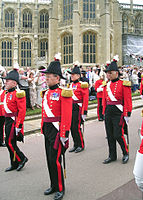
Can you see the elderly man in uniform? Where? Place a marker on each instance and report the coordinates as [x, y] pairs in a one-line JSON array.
[[117, 106], [80, 104], [15, 110], [56, 121]]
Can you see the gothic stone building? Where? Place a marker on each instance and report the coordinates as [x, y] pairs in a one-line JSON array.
[[89, 31]]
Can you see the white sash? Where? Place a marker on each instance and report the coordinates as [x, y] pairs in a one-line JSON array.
[[6, 108], [120, 107], [76, 99], [48, 111]]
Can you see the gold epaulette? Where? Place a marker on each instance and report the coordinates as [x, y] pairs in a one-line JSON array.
[[67, 92], [104, 83], [84, 84], [142, 82], [42, 93], [127, 83], [20, 93]]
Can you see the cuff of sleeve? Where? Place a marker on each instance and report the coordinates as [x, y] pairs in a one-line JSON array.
[[18, 125], [85, 112]]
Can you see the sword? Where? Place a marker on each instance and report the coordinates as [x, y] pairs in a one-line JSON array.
[[64, 165]]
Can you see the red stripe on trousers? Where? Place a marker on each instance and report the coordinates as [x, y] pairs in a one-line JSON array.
[[10, 144], [124, 137], [79, 129], [59, 168]]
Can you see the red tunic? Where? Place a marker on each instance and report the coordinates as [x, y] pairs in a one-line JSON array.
[[82, 95], [98, 84], [2, 95], [121, 93], [60, 107], [16, 105], [141, 87]]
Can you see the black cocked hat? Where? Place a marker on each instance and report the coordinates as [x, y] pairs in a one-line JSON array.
[[54, 68], [75, 70], [112, 67], [13, 75]]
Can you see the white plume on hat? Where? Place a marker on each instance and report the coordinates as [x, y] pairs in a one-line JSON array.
[[108, 62], [76, 63], [116, 58], [57, 57], [2, 69], [16, 66]]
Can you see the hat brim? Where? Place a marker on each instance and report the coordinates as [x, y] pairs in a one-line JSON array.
[[47, 72], [106, 70], [7, 78]]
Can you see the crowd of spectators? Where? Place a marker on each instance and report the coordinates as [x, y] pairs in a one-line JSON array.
[[33, 81]]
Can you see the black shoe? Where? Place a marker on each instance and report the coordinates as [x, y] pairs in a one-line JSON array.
[[59, 195], [108, 160], [79, 149], [101, 120], [21, 165], [10, 168], [49, 191], [72, 149], [125, 158], [2, 145]]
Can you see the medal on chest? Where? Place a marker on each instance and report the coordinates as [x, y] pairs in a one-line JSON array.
[[55, 96], [74, 87], [10, 97]]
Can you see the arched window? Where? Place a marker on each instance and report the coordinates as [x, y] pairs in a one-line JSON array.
[[125, 23], [89, 47], [138, 25], [25, 53], [9, 19], [89, 9], [43, 48], [6, 53], [27, 19], [67, 42], [44, 21], [67, 9]]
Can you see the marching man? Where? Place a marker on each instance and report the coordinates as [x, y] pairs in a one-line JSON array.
[[79, 111], [117, 107], [55, 125], [2, 117], [15, 110], [99, 89]]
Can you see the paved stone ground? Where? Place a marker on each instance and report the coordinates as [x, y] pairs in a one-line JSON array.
[[87, 177]]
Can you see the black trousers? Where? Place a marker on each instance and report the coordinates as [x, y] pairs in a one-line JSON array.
[[114, 131], [54, 157], [16, 156], [99, 108], [2, 121], [76, 131]]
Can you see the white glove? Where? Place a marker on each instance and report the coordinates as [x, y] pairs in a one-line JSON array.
[[126, 120], [63, 140], [141, 96], [17, 130], [83, 117], [99, 89]]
